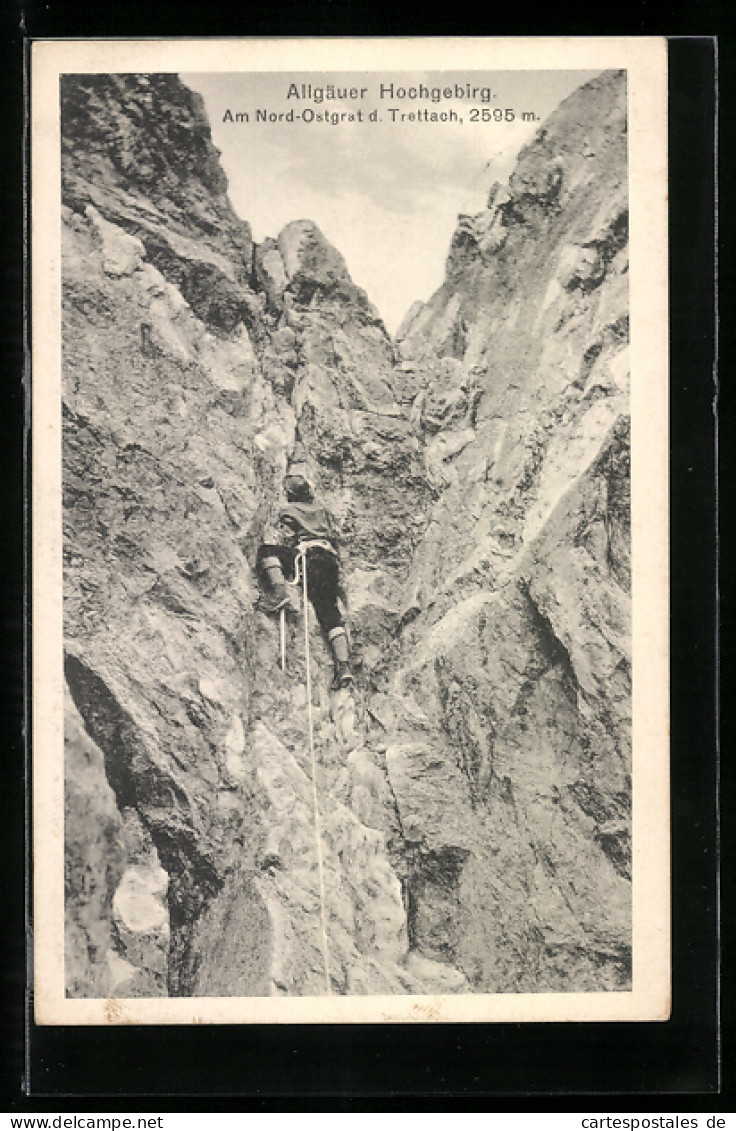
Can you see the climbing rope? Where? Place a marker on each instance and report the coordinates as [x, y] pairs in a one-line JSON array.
[[302, 561], [282, 636]]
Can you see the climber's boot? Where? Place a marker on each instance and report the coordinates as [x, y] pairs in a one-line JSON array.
[[339, 644], [277, 596], [343, 675]]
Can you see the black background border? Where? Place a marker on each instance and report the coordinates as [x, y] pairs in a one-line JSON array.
[[372, 1067]]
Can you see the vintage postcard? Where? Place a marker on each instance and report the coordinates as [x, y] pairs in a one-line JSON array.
[[350, 593]]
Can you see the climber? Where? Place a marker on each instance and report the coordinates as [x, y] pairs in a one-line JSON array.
[[305, 526]]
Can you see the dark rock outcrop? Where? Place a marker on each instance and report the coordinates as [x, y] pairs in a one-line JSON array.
[[474, 790]]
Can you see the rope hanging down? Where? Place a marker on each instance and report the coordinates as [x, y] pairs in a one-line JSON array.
[[302, 561]]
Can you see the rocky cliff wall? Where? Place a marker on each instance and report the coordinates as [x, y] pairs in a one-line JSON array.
[[522, 641], [473, 790]]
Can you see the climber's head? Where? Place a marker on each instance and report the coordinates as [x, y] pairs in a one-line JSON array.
[[298, 489]]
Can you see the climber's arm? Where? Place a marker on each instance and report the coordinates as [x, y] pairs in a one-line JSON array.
[[289, 530]]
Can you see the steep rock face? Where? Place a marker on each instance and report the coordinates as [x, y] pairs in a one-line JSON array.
[[472, 794], [521, 639], [137, 149], [178, 422]]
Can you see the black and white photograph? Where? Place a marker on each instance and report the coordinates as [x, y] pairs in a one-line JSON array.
[[350, 407]]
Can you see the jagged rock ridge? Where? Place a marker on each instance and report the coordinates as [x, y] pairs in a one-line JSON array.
[[475, 790]]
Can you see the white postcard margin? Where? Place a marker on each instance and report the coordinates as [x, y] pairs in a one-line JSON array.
[[645, 60]]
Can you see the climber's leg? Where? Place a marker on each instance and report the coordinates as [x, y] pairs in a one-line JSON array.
[[339, 644], [276, 596], [270, 565], [323, 576]]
